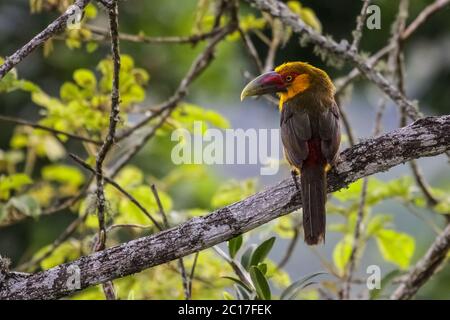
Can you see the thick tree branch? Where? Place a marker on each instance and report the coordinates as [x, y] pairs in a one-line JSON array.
[[425, 137], [55, 27]]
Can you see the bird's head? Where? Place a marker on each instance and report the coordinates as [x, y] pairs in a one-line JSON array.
[[289, 80]]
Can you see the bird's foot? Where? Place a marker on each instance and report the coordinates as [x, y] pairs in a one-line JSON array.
[[294, 175]]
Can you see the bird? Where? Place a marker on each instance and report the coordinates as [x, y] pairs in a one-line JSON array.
[[310, 133]]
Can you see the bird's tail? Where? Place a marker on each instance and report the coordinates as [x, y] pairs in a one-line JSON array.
[[313, 185]]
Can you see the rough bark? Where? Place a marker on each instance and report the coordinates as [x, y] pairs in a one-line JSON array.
[[426, 137]]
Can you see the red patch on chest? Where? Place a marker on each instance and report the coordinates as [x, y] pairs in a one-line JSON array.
[[315, 155]]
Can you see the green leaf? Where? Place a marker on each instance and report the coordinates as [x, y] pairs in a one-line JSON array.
[[310, 18], [262, 251], [260, 283], [234, 245], [232, 192], [91, 46], [249, 22], [263, 268], [130, 176], [69, 91], [377, 223], [63, 174], [90, 11], [130, 213], [443, 206], [396, 247], [284, 227], [351, 193], [342, 252], [376, 293], [67, 251], [291, 291]]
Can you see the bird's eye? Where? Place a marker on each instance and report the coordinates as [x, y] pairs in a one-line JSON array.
[[288, 78]]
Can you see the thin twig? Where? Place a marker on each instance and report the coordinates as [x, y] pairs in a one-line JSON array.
[[346, 122], [359, 227], [166, 108], [197, 67], [292, 243], [66, 234], [108, 287], [360, 20], [250, 48], [160, 206], [236, 267], [424, 15], [54, 131], [184, 277], [433, 226], [425, 268], [397, 64], [192, 39], [277, 35], [121, 162], [423, 184], [192, 274]]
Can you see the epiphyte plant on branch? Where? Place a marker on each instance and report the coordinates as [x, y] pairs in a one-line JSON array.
[[96, 146]]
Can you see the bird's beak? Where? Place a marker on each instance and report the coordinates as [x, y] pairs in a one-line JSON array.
[[269, 82]]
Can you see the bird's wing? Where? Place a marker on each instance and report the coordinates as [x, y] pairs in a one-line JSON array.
[[295, 133], [330, 133]]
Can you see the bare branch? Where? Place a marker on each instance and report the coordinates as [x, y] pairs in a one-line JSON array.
[[281, 11], [425, 137], [113, 121], [66, 234], [425, 268], [277, 36], [184, 277], [54, 131], [250, 47], [360, 20], [423, 16], [55, 27], [192, 39], [359, 227], [197, 67]]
